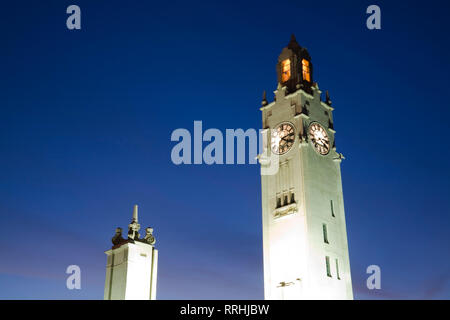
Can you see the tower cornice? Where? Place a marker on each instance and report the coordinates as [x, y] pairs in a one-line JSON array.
[[292, 95]]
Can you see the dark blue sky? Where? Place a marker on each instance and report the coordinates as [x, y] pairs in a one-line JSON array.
[[86, 118]]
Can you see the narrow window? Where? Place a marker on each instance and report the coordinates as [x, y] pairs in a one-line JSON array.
[[327, 261], [306, 71], [337, 270], [332, 208], [286, 200], [292, 198], [278, 202], [285, 70], [325, 233]]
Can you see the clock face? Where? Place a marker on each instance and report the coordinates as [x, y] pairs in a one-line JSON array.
[[283, 138], [319, 138]]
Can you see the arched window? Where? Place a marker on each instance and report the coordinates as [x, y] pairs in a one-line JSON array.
[[306, 70], [285, 70]]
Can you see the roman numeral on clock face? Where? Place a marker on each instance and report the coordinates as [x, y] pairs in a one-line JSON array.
[[319, 138], [283, 138]]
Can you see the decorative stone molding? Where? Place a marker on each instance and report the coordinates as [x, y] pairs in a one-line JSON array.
[[339, 157], [149, 238], [285, 210], [133, 233]]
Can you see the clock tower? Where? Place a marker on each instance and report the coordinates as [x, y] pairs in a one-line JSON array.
[[304, 232]]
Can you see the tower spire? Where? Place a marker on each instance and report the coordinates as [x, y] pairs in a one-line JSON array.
[[134, 226], [264, 99], [327, 98], [293, 44], [293, 38], [135, 213]]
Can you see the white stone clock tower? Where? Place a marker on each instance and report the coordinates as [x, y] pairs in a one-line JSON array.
[[132, 265], [304, 231]]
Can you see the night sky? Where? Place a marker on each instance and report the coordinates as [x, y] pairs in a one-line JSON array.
[[86, 118]]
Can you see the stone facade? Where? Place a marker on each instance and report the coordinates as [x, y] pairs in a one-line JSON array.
[[304, 230]]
